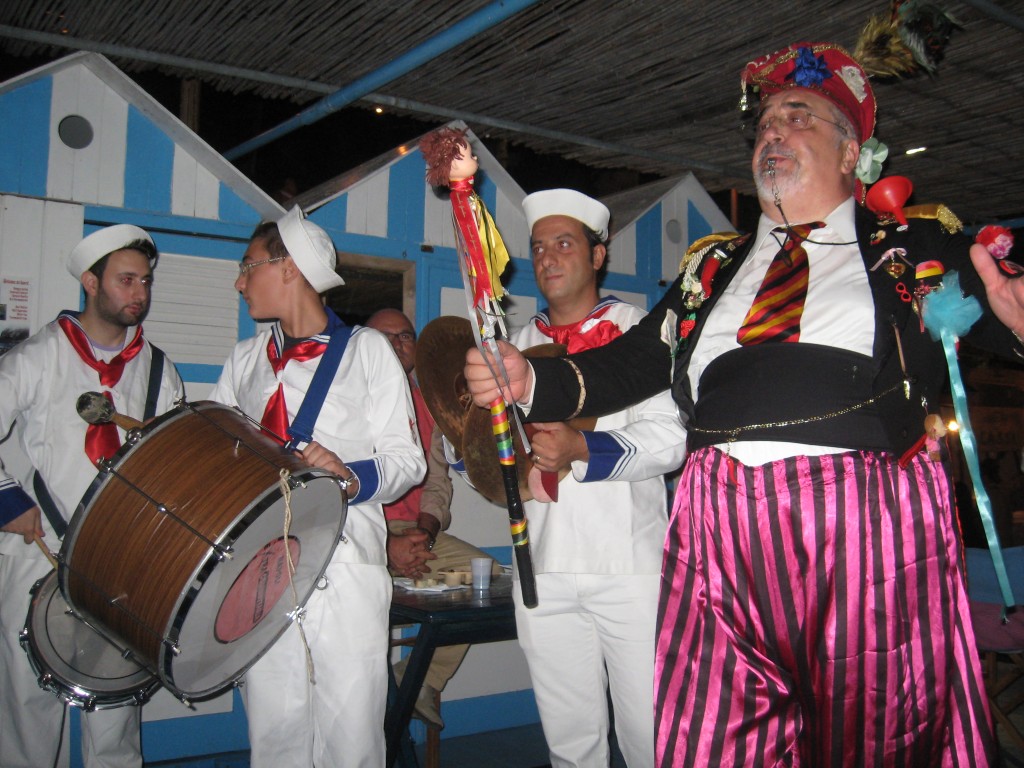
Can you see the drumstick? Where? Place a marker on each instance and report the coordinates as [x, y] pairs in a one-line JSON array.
[[96, 409], [46, 550]]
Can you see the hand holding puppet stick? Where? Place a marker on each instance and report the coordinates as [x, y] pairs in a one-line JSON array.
[[482, 259]]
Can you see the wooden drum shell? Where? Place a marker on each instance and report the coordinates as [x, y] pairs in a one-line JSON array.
[[158, 586]]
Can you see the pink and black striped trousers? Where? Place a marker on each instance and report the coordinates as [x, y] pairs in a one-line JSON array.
[[813, 613]]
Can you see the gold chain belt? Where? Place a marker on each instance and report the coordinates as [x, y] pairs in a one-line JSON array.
[[733, 432]]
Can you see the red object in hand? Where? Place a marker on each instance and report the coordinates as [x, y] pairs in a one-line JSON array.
[[998, 241]]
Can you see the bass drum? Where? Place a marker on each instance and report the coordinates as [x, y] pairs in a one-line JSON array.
[[74, 661], [182, 550]]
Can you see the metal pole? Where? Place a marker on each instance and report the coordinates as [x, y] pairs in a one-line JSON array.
[[456, 34]]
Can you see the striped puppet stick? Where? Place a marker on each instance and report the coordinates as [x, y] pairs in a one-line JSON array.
[[516, 515]]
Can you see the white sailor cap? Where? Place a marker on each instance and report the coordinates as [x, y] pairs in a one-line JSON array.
[[102, 242], [567, 202], [311, 249]]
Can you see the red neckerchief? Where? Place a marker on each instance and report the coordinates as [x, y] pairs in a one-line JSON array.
[[101, 440], [275, 415], [589, 333]]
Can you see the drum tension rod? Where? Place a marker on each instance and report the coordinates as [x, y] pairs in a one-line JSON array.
[[113, 602], [223, 553], [239, 442]]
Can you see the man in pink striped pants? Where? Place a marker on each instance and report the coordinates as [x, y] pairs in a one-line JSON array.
[[812, 609]]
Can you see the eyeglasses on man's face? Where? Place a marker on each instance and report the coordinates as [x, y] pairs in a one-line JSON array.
[[405, 337], [245, 266], [792, 119]]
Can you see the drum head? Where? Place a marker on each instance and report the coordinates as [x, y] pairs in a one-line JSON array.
[[74, 661], [235, 609]]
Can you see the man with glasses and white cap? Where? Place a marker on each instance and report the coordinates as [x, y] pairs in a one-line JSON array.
[[813, 608], [597, 549], [365, 433], [101, 348]]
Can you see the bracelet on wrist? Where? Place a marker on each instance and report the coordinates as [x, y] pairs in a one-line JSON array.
[[431, 539], [582, 385]]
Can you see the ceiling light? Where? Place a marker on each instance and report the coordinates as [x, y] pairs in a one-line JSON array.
[[915, 150], [379, 110]]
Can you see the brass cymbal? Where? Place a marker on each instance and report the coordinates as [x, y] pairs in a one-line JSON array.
[[480, 452], [440, 360]]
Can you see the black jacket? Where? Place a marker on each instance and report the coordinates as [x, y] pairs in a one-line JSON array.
[[650, 357]]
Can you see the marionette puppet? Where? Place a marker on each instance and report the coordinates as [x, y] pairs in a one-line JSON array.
[[451, 163], [482, 258]]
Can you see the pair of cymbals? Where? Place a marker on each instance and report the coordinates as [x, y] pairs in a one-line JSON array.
[[440, 360]]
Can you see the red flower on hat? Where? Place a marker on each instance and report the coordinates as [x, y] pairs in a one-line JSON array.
[[809, 70]]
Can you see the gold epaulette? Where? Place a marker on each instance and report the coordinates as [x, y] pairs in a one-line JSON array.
[[946, 218], [700, 247]]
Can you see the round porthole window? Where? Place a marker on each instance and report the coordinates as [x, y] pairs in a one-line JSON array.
[[674, 231], [75, 131]]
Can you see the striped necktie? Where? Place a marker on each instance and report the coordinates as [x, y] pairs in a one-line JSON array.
[[779, 304]]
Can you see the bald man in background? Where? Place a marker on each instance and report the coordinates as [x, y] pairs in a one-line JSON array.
[[417, 543]]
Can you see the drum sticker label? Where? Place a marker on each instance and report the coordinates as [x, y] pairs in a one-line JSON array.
[[256, 591]]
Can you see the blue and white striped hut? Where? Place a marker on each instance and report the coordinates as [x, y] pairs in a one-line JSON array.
[[81, 147]]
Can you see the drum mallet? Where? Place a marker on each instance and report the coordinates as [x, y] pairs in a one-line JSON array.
[[96, 409], [46, 550]]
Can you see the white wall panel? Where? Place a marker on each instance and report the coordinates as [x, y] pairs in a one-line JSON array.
[[207, 194], [183, 183], [35, 238], [194, 314], [195, 191], [511, 222], [367, 209], [92, 174], [489, 668], [112, 139], [437, 218], [622, 251]]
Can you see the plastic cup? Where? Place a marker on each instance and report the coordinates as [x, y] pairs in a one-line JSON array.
[[481, 572]]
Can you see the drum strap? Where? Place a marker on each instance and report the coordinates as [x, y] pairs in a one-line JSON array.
[[301, 429], [156, 372], [46, 503], [42, 493]]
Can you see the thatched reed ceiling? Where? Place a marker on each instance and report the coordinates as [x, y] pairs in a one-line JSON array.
[[659, 78]]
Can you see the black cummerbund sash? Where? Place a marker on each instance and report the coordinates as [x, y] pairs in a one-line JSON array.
[[798, 393]]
